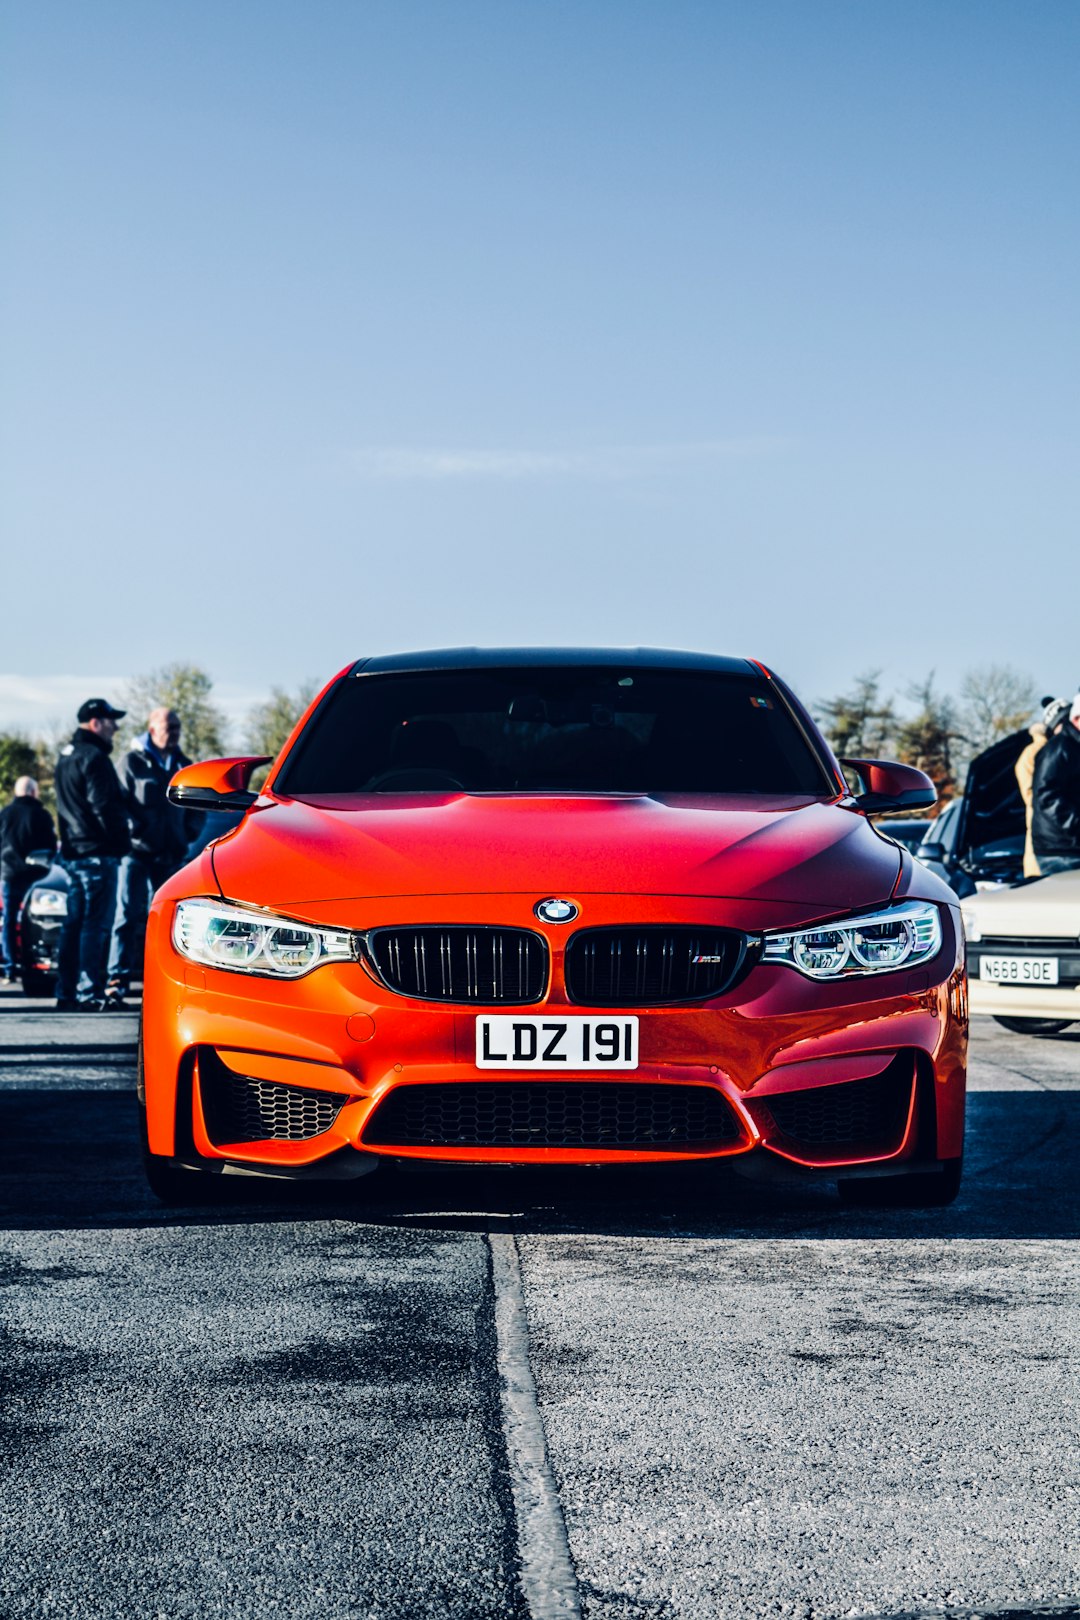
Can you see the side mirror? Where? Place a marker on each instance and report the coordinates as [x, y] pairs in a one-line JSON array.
[[888, 786], [216, 784], [928, 851]]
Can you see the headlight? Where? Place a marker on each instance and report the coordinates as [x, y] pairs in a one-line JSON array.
[[47, 903], [244, 941], [971, 926], [879, 942]]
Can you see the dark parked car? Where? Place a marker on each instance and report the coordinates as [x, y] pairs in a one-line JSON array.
[[41, 919], [936, 848], [978, 840], [910, 833]]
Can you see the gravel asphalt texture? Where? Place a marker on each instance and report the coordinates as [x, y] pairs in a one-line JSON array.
[[756, 1403]]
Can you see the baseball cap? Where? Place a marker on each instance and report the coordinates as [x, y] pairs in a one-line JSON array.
[[1054, 711], [98, 709]]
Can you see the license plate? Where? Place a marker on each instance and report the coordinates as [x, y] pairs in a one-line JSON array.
[[1019, 969], [556, 1043]]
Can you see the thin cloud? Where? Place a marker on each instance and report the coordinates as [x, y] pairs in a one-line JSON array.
[[615, 462], [33, 702], [45, 703]]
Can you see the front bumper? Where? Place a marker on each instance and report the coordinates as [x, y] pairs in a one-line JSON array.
[[339, 1034], [1025, 1000], [1061, 1000]]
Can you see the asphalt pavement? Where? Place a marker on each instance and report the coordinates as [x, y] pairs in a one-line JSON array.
[[456, 1394]]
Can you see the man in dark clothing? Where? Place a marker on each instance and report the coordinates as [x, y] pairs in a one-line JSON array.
[[93, 838], [25, 826], [1055, 819], [160, 833]]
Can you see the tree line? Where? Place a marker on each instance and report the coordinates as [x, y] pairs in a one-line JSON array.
[[186, 688], [935, 730], [923, 726]]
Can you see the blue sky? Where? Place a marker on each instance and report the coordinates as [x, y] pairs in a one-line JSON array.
[[339, 328]]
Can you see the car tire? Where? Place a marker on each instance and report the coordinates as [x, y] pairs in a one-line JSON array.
[[1034, 1026], [170, 1185], [37, 982], [175, 1187], [934, 1190]]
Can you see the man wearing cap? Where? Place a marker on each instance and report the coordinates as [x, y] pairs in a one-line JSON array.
[[1055, 822], [160, 834], [93, 837], [1054, 711]]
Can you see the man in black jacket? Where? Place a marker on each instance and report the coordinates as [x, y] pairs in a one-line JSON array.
[[1055, 798], [25, 827], [160, 833], [93, 838]]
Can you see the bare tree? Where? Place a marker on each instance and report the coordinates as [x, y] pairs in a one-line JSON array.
[[861, 722], [928, 738], [269, 724], [995, 700], [185, 688], [18, 757]]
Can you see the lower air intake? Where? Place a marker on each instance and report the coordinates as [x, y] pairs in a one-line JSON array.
[[505, 1114], [238, 1108], [856, 1113]]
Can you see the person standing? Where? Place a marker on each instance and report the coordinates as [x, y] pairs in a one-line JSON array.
[[93, 838], [25, 826], [1055, 822], [1054, 711], [160, 833]]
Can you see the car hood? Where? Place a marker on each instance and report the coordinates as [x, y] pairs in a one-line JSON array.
[[1049, 908], [818, 858]]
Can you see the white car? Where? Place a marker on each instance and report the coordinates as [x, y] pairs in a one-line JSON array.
[[1024, 953]]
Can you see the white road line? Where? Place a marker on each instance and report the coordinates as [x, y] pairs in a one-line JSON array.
[[547, 1570]]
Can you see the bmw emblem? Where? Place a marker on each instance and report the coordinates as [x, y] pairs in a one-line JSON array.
[[556, 911]]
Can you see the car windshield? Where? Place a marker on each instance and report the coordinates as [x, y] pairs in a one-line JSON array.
[[589, 730]]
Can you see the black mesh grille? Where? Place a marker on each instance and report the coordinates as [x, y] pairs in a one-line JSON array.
[[645, 967], [481, 965], [543, 1114], [855, 1112], [238, 1108]]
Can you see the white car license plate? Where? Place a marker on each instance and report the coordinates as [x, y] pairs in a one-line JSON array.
[[556, 1043], [1019, 969]]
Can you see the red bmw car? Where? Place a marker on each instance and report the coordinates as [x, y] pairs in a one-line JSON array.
[[556, 907]]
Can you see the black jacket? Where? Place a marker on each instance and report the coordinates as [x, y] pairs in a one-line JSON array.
[[25, 825], [93, 820], [160, 831], [1055, 795]]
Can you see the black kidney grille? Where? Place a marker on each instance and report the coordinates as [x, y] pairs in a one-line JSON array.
[[638, 967], [505, 1114], [458, 963], [238, 1108], [856, 1111]]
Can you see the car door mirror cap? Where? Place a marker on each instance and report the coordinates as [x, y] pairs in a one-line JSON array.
[[889, 786], [216, 784]]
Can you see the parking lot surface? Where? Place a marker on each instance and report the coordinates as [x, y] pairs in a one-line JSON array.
[[459, 1394]]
